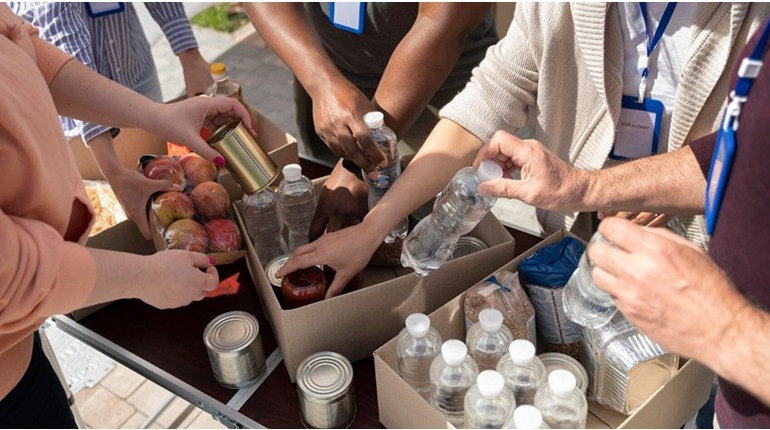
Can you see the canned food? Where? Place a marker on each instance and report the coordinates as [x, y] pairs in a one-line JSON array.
[[235, 349], [249, 165], [467, 245], [557, 360], [325, 388], [272, 267]]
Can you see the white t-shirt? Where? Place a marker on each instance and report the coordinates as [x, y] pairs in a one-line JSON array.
[[666, 62]]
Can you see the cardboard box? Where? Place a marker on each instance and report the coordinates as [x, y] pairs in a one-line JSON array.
[[401, 407], [356, 323]]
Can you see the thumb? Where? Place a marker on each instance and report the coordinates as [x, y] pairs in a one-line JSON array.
[[507, 188], [202, 148]]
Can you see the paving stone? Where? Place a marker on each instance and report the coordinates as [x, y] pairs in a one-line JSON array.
[[172, 413], [190, 418], [148, 397], [122, 381], [205, 421], [99, 408], [135, 421]]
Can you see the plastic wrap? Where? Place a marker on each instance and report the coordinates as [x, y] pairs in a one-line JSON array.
[[107, 208]]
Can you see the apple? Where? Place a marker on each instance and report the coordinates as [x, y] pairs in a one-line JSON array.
[[187, 234], [165, 167], [224, 235], [210, 200], [197, 169], [171, 206]]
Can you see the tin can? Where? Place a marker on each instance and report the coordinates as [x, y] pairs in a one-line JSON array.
[[325, 388], [557, 360], [467, 245], [273, 266], [249, 165], [235, 349]]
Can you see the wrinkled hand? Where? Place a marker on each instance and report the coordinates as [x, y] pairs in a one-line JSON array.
[[347, 251], [182, 277], [197, 73], [666, 286], [343, 202], [546, 180], [644, 219], [338, 114], [133, 191]]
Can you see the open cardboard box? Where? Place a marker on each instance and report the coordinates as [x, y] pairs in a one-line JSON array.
[[356, 323], [401, 407]]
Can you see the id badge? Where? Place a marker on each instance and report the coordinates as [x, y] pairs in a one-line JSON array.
[[97, 9], [719, 173], [348, 16], [638, 130]]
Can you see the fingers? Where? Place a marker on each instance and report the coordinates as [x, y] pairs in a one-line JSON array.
[[368, 146], [301, 257], [337, 286], [507, 188]]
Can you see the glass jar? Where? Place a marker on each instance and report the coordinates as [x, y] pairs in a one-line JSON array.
[[303, 286]]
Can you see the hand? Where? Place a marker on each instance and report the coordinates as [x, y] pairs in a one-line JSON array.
[[338, 114], [133, 191], [546, 180], [347, 251], [645, 219], [180, 277], [667, 287], [197, 73], [343, 202]]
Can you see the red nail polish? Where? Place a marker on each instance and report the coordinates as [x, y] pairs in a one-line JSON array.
[[212, 261], [219, 161]]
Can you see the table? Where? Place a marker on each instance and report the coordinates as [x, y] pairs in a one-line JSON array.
[[166, 347]]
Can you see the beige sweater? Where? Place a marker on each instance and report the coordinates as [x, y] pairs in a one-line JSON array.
[[576, 51]]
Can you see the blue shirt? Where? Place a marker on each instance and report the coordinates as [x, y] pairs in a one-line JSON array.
[[113, 45]]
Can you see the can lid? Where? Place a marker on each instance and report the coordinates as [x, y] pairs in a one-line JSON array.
[[223, 131], [231, 332], [467, 245], [324, 376], [273, 266], [557, 360]]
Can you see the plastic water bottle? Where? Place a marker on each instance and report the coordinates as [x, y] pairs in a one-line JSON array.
[[488, 405], [417, 345], [523, 371], [452, 373], [526, 417], [456, 212], [296, 204], [488, 339], [386, 176], [584, 302], [223, 86], [561, 402], [260, 213]]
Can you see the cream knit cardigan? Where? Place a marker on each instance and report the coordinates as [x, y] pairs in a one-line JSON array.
[[560, 69]]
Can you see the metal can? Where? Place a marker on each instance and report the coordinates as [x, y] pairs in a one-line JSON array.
[[325, 388], [273, 266], [557, 360], [235, 349], [467, 245], [249, 165]]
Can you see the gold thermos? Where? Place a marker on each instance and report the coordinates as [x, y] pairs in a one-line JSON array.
[[249, 165]]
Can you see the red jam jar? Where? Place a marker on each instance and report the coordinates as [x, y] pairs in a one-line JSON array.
[[303, 286]]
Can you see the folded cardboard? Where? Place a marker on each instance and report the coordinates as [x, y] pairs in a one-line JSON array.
[[401, 407], [356, 323]]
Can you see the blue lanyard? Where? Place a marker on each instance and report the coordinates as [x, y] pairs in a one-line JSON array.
[[652, 44], [747, 72]]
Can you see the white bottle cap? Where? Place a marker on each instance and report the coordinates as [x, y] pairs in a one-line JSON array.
[[418, 325], [527, 417], [562, 382], [292, 172], [374, 119], [490, 383], [491, 320], [489, 170], [522, 352], [454, 352]]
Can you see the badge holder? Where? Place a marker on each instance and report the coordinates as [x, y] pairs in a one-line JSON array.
[[348, 16], [634, 132], [97, 9]]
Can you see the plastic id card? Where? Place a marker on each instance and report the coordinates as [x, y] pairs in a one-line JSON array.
[[348, 16], [638, 129], [97, 9], [719, 173]]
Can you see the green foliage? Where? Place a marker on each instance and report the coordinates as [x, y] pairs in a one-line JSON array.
[[226, 17]]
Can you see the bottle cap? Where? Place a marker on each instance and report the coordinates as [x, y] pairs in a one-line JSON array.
[[374, 119], [522, 352], [527, 417], [218, 69], [454, 352], [292, 172], [562, 382], [418, 325], [491, 320], [490, 383], [489, 170]]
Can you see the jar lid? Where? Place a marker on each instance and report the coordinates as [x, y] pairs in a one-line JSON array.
[[273, 266], [557, 360], [308, 277], [231, 332], [324, 376]]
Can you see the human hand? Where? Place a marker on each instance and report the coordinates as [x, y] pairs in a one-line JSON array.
[[197, 73], [180, 277], [644, 219], [343, 202], [546, 180], [133, 191], [666, 286]]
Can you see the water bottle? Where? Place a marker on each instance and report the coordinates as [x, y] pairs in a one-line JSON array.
[[488, 405], [452, 373], [523, 371], [488, 339], [260, 213], [386, 176], [417, 346], [526, 417], [584, 302], [223, 86], [456, 212], [296, 204], [562, 404]]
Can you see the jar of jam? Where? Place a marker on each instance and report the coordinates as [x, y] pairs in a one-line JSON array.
[[303, 286]]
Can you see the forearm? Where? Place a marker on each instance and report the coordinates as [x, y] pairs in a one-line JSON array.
[[103, 149], [118, 277]]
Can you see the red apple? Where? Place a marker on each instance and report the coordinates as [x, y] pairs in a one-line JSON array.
[[210, 200], [171, 206], [187, 234], [164, 167], [224, 235], [197, 169]]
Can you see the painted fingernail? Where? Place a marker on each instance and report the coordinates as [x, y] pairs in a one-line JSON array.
[[219, 161], [212, 261]]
